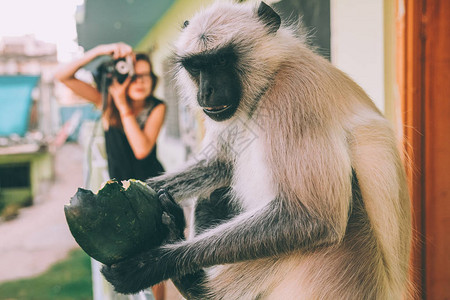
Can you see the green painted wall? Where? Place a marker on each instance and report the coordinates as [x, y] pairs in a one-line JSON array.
[[161, 37], [110, 21]]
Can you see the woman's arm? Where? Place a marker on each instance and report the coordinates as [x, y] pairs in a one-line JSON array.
[[66, 74], [143, 141]]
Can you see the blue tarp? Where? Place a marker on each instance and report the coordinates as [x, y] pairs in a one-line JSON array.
[[15, 103]]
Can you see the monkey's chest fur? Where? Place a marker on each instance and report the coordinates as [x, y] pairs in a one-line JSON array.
[[252, 179]]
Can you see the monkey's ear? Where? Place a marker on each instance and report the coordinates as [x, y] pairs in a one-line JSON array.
[[269, 17]]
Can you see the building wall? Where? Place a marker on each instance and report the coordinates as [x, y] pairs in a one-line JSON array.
[[357, 44]]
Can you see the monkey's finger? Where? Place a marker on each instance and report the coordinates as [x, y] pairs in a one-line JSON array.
[[168, 204], [173, 215], [175, 232], [166, 194], [167, 219], [167, 200]]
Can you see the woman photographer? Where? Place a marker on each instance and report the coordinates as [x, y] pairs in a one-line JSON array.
[[132, 117]]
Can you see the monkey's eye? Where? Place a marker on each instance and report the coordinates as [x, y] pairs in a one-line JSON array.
[[221, 61], [193, 71], [193, 66], [185, 24]]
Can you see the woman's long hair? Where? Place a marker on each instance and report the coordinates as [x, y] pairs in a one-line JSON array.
[[111, 113]]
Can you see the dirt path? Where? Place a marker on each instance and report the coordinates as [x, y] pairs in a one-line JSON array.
[[40, 236]]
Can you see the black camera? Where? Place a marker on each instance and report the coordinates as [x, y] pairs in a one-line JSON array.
[[119, 68]]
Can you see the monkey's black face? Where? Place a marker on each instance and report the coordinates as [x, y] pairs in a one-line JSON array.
[[219, 87]]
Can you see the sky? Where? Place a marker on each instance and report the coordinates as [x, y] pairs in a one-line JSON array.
[[48, 20]]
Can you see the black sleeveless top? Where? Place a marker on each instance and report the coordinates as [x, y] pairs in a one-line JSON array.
[[122, 164]]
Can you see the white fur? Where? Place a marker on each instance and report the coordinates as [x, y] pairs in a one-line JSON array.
[[252, 181]]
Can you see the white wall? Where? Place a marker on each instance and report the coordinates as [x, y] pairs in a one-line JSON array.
[[357, 45]]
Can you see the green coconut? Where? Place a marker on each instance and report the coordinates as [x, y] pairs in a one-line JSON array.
[[120, 221]]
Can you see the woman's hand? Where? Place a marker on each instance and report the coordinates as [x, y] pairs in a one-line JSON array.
[[116, 50], [119, 94]]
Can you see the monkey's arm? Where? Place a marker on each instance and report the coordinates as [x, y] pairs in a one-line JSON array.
[[199, 179]]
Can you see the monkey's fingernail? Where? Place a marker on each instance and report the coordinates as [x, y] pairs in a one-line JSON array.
[[166, 220], [163, 197]]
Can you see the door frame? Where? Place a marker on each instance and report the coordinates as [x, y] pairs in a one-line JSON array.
[[423, 68]]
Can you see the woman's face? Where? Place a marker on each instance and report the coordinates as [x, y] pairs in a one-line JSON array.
[[141, 87]]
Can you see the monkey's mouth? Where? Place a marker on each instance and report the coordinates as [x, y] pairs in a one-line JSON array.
[[216, 109], [220, 112]]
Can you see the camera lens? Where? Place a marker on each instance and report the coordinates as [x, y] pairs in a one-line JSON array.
[[122, 67]]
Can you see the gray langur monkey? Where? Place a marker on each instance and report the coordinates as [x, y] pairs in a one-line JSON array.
[[301, 189]]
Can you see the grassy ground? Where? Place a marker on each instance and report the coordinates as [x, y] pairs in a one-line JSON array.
[[67, 280]]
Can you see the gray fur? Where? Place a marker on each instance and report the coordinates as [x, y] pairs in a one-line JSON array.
[[200, 178]]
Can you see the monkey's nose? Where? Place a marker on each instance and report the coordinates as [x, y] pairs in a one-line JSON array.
[[205, 97]]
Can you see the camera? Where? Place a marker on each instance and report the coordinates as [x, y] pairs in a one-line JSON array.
[[119, 69]]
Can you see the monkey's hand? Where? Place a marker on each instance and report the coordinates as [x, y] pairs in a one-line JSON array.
[[157, 184], [149, 268], [137, 273]]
